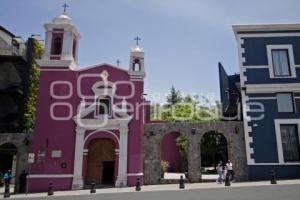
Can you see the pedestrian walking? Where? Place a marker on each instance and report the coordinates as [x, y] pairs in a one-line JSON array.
[[219, 171], [229, 167], [224, 172], [7, 178]]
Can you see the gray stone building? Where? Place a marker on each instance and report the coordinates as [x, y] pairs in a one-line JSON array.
[[15, 62]]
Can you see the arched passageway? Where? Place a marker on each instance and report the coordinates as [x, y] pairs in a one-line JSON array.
[[170, 152], [213, 148], [14, 148]]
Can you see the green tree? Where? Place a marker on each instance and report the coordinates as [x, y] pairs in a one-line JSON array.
[[29, 116], [213, 147], [174, 97], [182, 143], [185, 108]]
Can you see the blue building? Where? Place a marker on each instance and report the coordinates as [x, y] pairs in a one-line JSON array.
[[269, 61]]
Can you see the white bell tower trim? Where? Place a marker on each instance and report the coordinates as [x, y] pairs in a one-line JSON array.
[[137, 64]]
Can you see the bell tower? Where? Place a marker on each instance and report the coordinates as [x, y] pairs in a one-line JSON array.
[[136, 65], [61, 45]]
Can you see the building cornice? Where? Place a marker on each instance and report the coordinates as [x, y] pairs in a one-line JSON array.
[[240, 29]]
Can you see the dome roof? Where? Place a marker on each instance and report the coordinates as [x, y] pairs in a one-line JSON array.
[[137, 49], [62, 19]]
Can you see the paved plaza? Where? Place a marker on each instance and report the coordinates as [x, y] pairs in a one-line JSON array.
[[284, 190]]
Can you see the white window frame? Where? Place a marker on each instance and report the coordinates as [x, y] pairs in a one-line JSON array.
[[289, 48], [293, 101], [101, 116], [279, 122]]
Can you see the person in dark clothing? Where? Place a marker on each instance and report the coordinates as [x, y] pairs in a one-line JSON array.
[[22, 181], [7, 178]]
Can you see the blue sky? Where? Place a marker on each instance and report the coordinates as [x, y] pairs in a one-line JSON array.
[[183, 39]]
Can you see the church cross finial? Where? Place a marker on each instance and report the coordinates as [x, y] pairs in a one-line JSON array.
[[118, 62], [137, 39], [65, 6]]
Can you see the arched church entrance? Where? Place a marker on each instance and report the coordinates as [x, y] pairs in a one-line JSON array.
[[8, 160], [101, 162], [213, 146]]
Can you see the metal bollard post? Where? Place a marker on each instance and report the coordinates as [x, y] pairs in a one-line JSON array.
[[273, 177], [6, 191], [227, 180], [181, 183], [138, 185], [50, 189], [93, 187]]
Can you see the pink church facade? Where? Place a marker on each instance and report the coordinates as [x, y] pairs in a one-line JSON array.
[[89, 121]]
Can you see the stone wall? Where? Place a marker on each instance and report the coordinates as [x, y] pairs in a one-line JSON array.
[[154, 133], [22, 142]]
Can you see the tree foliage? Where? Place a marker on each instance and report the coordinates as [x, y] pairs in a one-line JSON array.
[[185, 108], [182, 143], [174, 97], [213, 148], [29, 116]]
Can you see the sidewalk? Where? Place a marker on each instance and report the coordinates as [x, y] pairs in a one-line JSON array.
[[150, 188]]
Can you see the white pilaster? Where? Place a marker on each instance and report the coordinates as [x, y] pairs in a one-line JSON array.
[[48, 44], [78, 160], [67, 45], [122, 171]]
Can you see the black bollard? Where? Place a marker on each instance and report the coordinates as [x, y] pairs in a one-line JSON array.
[[93, 187], [181, 183], [273, 177], [227, 180], [138, 185], [50, 189], [6, 191]]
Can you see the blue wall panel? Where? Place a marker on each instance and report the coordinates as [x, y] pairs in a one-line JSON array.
[[262, 76], [264, 136], [256, 48]]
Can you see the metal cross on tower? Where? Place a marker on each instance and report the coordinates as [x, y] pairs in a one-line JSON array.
[[65, 6], [137, 39], [118, 62]]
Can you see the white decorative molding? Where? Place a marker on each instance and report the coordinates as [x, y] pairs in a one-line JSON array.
[[277, 123], [50, 176], [104, 88], [56, 64], [245, 99], [262, 98], [256, 66], [272, 88], [291, 60], [284, 164], [266, 27], [55, 70], [102, 130], [136, 174], [101, 65]]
